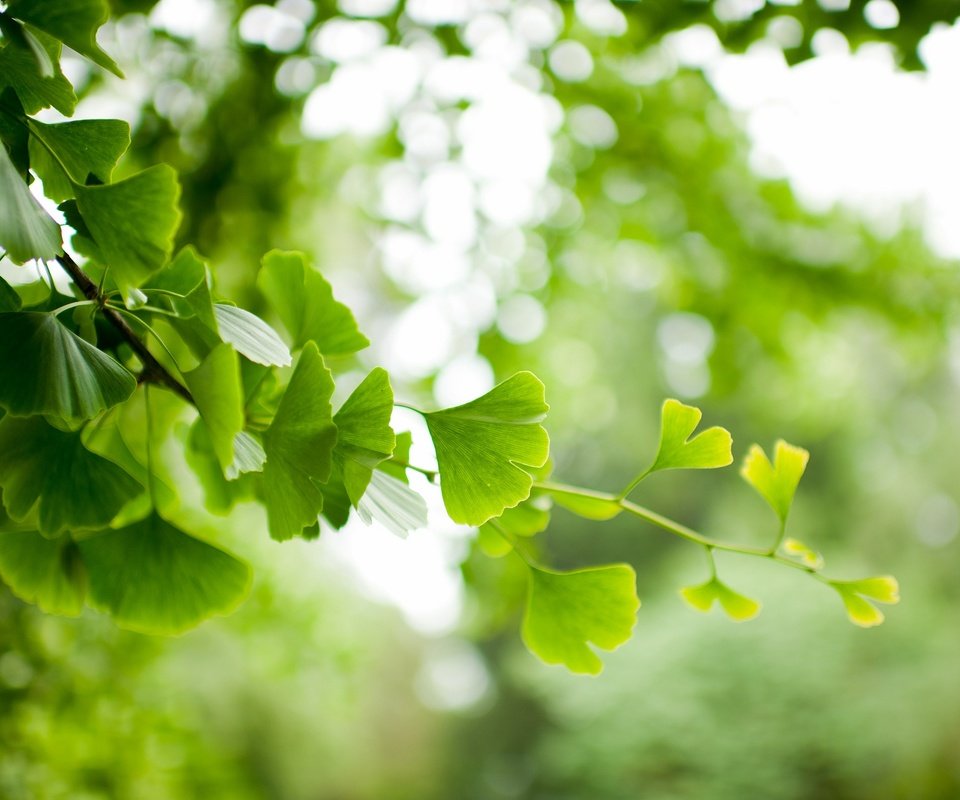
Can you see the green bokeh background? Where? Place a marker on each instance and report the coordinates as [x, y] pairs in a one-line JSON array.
[[823, 332]]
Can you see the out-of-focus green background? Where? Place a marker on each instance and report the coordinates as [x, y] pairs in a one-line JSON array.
[[558, 187]]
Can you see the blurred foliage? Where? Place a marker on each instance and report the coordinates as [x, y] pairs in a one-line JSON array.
[[667, 267]]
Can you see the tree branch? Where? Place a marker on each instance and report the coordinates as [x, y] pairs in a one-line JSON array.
[[153, 370]]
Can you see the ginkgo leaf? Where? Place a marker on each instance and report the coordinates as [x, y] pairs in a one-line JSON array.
[[526, 519], [47, 572], [218, 394], [74, 488], [26, 230], [220, 493], [491, 542], [679, 449], [737, 606], [251, 336], [401, 456], [184, 284], [82, 147], [20, 70], [481, 443], [132, 223], [365, 437], [304, 302], [393, 504], [856, 596], [299, 444], [47, 369], [152, 577], [777, 482], [248, 456], [73, 22], [589, 505], [803, 552], [9, 299], [569, 611]]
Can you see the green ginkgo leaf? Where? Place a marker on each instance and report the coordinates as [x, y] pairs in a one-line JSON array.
[[526, 519], [9, 299], [804, 553], [47, 369], [251, 336], [679, 449], [47, 572], [569, 611], [218, 394], [856, 596], [75, 489], [152, 577], [81, 147], [491, 542], [26, 230], [220, 493], [184, 285], [73, 22], [589, 505], [20, 69], [776, 483], [401, 456], [304, 302], [481, 445], [737, 606], [299, 445], [132, 223], [365, 437]]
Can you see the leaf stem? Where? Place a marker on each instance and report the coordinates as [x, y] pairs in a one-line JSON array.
[[410, 408], [153, 370]]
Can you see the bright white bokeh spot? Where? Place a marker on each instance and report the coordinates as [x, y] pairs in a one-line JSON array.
[[507, 202], [453, 676], [697, 46], [602, 17], [421, 340], [276, 30], [465, 378], [537, 23], [881, 14], [367, 8], [347, 40], [419, 265], [521, 319], [685, 338], [449, 212], [439, 12], [200, 20], [570, 61], [736, 10], [593, 127]]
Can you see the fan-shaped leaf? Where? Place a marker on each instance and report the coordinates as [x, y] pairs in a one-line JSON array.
[[569, 611], [251, 336], [75, 488], [20, 69], [393, 504], [777, 482], [154, 578], [48, 572], [856, 596], [737, 606], [680, 450], [364, 437], [218, 394], [47, 369], [481, 443], [26, 230]]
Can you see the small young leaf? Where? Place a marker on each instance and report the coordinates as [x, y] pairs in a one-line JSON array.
[[857, 594], [251, 336], [19, 69], [132, 223], [801, 551], [737, 606], [365, 437], [26, 230], [777, 482], [393, 504], [569, 611], [304, 302], [47, 369], [299, 444], [680, 450], [75, 488], [83, 148], [48, 572], [73, 22], [152, 577], [218, 393], [480, 445]]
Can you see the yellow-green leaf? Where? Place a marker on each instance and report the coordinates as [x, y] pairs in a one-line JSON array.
[[776, 483]]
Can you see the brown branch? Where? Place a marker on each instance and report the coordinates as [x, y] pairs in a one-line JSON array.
[[153, 370]]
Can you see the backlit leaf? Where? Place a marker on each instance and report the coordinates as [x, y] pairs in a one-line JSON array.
[[251, 336], [82, 147], [393, 504], [154, 578], [133, 223], [776, 482], [26, 230], [586, 504], [481, 444], [9, 299], [737, 606], [47, 369], [75, 488], [679, 449], [299, 444], [569, 611], [187, 275], [801, 551], [218, 394], [73, 22], [856, 596], [20, 69], [304, 302], [48, 572]]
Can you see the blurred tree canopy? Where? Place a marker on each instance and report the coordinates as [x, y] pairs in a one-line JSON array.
[[557, 187]]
